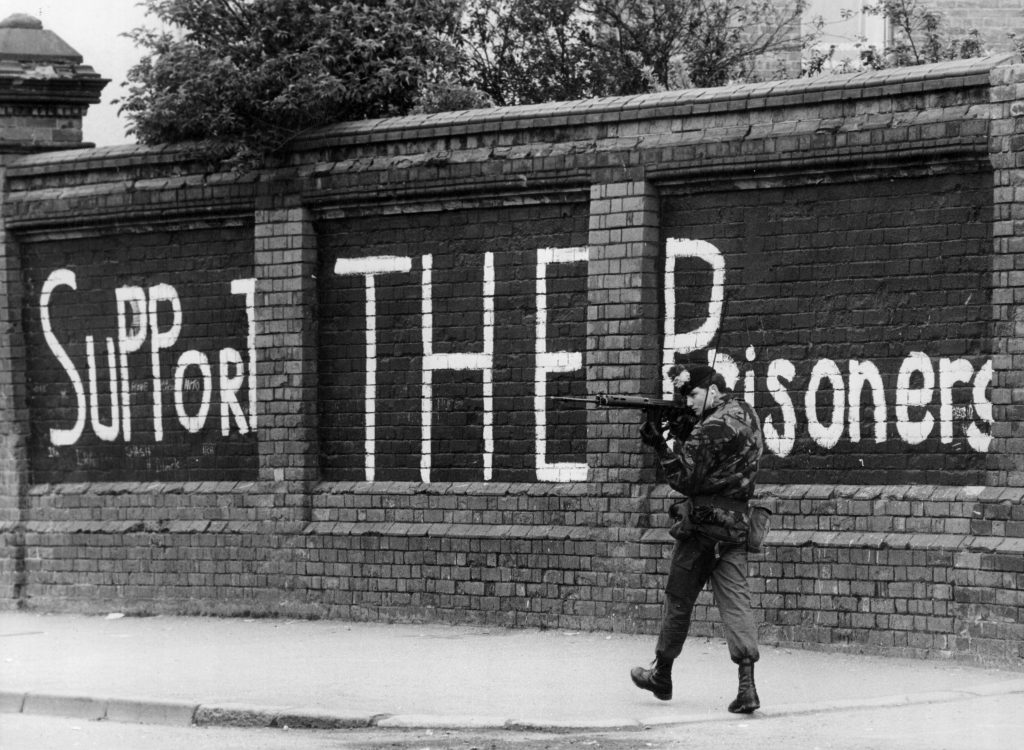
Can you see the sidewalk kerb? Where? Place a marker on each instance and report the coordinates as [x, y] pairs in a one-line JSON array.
[[430, 721], [852, 704], [71, 706], [997, 688], [310, 720], [241, 715], [703, 718], [231, 715], [151, 712], [571, 725], [11, 703]]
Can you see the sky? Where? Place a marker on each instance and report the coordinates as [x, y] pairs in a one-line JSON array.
[[93, 28]]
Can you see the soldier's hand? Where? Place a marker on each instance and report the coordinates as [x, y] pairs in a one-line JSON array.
[[650, 434], [682, 424], [680, 510], [681, 530]]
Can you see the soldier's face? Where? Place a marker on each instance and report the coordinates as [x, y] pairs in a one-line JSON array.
[[701, 399]]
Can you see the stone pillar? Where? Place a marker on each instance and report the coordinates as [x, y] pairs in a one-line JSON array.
[[45, 90], [286, 337], [13, 424], [623, 348], [1005, 460]]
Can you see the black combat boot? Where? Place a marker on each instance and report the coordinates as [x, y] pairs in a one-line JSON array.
[[746, 699], [658, 680]]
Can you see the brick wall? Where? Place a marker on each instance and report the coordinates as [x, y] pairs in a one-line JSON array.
[[478, 266], [995, 20], [138, 355], [13, 427], [59, 125], [413, 292], [828, 287]]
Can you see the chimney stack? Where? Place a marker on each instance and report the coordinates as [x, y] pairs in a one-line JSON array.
[[45, 90]]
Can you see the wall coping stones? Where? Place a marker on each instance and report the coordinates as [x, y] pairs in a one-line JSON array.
[[482, 489], [188, 527], [150, 488], [326, 490], [938, 76], [1011, 546], [956, 74], [1001, 494]]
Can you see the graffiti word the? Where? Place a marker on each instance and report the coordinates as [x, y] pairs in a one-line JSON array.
[[482, 361]]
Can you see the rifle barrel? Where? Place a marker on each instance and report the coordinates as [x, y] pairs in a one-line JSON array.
[[622, 402]]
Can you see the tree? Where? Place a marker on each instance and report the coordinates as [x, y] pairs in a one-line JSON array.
[[528, 51], [699, 42], [239, 79]]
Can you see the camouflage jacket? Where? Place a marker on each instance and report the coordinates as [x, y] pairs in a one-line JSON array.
[[719, 459]]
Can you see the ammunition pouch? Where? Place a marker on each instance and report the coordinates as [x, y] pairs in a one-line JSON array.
[[682, 525], [760, 524], [751, 534]]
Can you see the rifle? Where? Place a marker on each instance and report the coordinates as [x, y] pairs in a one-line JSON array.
[[678, 419]]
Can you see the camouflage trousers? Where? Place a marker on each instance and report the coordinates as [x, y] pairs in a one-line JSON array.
[[696, 561]]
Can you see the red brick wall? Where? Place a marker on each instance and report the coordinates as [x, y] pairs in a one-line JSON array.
[[406, 461]]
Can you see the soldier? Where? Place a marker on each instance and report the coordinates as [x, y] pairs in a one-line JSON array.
[[714, 467]]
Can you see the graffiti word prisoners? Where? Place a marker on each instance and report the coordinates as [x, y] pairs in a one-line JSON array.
[[843, 404], [137, 322], [915, 382]]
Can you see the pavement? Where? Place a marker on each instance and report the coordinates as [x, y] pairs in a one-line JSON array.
[[334, 674]]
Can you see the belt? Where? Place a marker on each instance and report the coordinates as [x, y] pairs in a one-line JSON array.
[[725, 503]]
